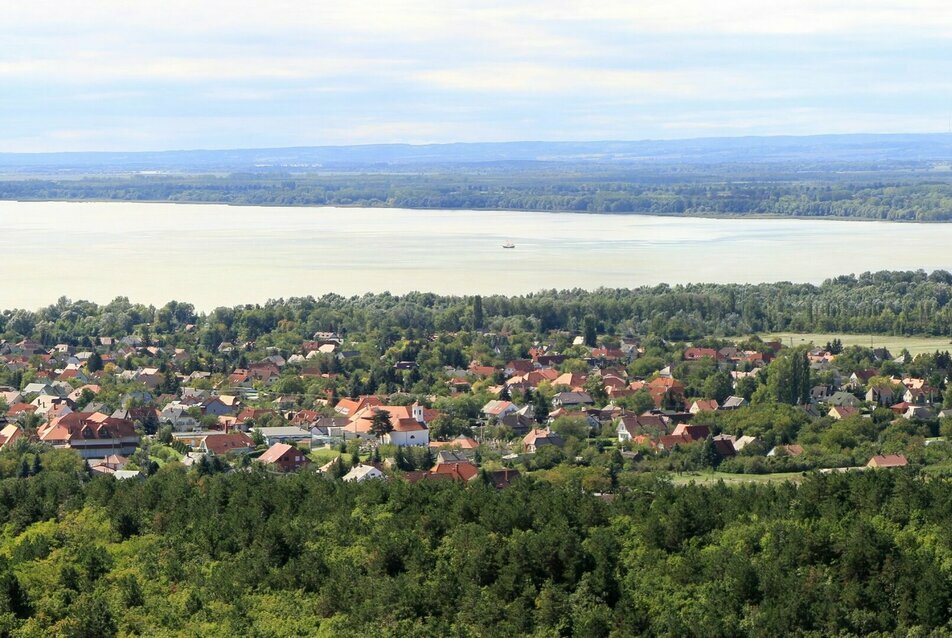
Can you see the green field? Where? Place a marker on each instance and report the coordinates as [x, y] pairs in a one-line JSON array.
[[325, 455], [704, 478], [915, 345]]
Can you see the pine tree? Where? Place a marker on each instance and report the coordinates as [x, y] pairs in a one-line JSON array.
[[591, 333], [477, 312], [541, 408], [380, 424], [94, 363]]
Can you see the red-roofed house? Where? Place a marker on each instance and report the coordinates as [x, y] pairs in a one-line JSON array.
[[888, 460], [409, 423], [92, 434], [9, 434], [704, 405], [696, 354], [283, 457], [463, 472], [221, 444], [693, 432]]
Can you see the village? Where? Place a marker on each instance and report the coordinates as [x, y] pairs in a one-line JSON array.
[[602, 405]]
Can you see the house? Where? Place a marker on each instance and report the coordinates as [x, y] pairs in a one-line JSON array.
[[900, 408], [109, 465], [407, 431], [501, 479], [11, 396], [18, 409], [844, 399], [843, 412], [724, 447], [283, 457], [445, 457], [285, 434], [241, 378], [665, 390], [880, 395], [76, 394], [571, 380], [459, 384], [669, 441], [820, 392], [361, 472], [253, 414], [221, 405], [518, 366], [692, 432], [39, 387], [540, 438], [177, 415], [265, 371], [91, 434], [519, 422], [408, 424], [572, 399], [227, 443], [733, 403], [786, 450], [696, 354], [497, 409], [918, 396], [887, 460], [349, 407], [630, 427], [703, 405], [919, 413], [463, 443], [463, 471], [743, 441], [861, 378], [481, 371], [9, 434]]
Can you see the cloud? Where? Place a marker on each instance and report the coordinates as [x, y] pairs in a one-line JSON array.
[[290, 71]]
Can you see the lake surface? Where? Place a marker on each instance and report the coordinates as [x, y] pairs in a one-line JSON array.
[[214, 255]]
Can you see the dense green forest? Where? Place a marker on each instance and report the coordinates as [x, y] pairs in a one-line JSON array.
[[251, 554], [900, 303], [782, 191]]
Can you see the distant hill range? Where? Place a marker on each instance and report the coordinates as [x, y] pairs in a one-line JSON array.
[[847, 149]]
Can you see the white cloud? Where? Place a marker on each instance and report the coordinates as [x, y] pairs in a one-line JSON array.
[[392, 70]]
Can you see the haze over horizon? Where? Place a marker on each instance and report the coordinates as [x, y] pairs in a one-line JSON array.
[[107, 76]]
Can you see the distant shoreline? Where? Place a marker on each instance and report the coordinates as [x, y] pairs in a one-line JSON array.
[[725, 216]]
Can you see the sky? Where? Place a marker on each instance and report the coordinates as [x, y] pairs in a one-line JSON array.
[[116, 75]]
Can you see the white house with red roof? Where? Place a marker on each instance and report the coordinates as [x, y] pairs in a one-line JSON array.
[[409, 423], [93, 434]]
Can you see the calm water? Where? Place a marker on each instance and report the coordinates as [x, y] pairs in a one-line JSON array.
[[224, 255]]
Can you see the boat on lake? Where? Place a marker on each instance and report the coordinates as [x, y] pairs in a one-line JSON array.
[[509, 244]]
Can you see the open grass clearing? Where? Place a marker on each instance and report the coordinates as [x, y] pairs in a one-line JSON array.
[[704, 478], [915, 345]]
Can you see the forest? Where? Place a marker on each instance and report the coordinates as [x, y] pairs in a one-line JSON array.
[[585, 542], [252, 554], [800, 191], [890, 303]]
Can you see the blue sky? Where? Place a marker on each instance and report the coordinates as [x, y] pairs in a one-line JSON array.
[[120, 75]]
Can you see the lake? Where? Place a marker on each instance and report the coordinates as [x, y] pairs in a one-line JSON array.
[[214, 255]]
